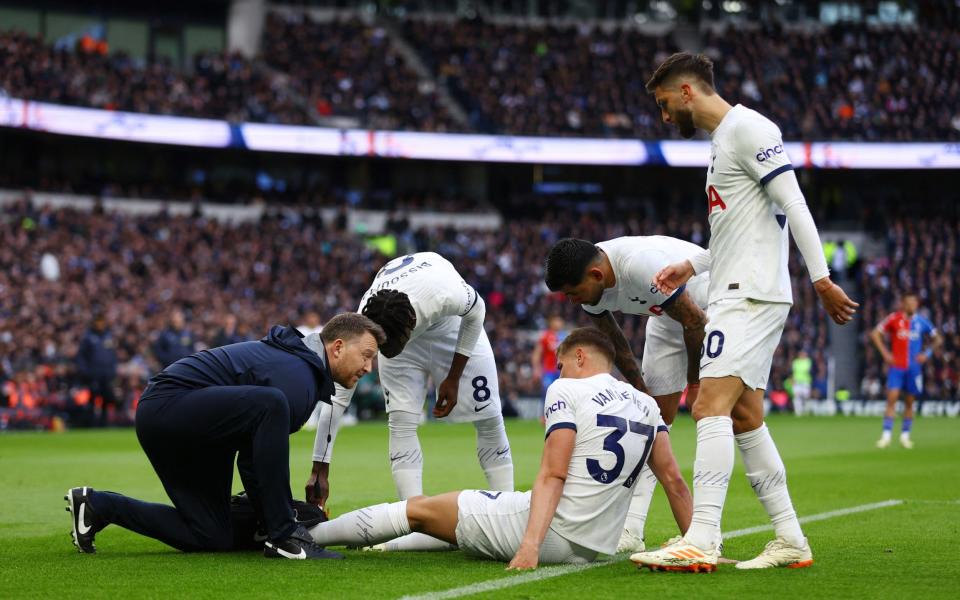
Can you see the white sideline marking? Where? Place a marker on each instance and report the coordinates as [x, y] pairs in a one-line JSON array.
[[557, 571]]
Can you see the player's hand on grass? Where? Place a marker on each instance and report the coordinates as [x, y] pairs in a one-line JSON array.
[[835, 301], [446, 396], [318, 489], [673, 276], [527, 557]]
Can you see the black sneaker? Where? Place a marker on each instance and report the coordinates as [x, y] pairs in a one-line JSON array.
[[299, 546], [85, 521]]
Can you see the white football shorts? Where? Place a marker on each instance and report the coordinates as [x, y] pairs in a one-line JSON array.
[[741, 338], [664, 364], [404, 377], [492, 524]]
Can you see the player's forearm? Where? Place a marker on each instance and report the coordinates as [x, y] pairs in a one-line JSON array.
[[681, 504], [327, 427], [700, 261], [624, 359], [693, 320], [457, 365], [785, 192], [693, 340], [544, 499], [471, 326], [663, 463]]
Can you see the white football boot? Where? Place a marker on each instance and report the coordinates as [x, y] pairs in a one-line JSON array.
[[679, 556], [630, 542], [780, 553]]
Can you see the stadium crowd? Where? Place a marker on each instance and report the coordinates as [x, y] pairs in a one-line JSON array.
[[844, 82], [220, 85], [545, 80], [850, 82], [166, 286], [348, 68]]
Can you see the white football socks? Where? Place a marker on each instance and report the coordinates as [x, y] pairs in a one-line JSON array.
[[365, 526], [406, 457], [493, 452], [640, 502], [768, 478], [418, 542], [711, 476]]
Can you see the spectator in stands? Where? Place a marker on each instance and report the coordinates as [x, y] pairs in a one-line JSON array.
[[174, 342], [228, 334], [96, 364], [311, 323]]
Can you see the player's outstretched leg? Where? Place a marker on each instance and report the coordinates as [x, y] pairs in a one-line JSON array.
[[493, 452], [435, 516], [406, 456], [768, 478]]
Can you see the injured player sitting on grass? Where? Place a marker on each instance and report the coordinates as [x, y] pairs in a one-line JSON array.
[[600, 433]]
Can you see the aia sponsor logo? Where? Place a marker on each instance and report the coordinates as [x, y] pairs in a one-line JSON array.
[[714, 200]]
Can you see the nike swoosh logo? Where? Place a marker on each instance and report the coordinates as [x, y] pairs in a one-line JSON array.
[[282, 552], [479, 408], [82, 526], [706, 365], [502, 452]]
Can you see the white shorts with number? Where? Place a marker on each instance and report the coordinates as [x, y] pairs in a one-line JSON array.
[[664, 364], [741, 337], [492, 524], [404, 377]]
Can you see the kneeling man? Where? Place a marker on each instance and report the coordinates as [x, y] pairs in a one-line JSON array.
[[600, 433]]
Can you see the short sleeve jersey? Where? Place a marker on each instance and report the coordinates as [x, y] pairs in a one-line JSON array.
[[435, 288], [748, 231], [615, 428], [635, 260]]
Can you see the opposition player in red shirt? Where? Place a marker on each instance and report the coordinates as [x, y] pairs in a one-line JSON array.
[[906, 330], [544, 358]]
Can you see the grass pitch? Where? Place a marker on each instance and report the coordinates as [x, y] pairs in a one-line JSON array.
[[894, 552]]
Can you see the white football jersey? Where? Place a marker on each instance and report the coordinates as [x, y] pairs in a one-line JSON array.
[[748, 231], [435, 288], [635, 260], [616, 425]]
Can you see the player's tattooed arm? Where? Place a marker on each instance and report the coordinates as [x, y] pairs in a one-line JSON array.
[[686, 312], [626, 362]]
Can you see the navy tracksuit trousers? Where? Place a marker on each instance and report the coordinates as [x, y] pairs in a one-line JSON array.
[[192, 437]]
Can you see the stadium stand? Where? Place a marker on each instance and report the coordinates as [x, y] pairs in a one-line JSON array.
[[137, 270], [850, 82]]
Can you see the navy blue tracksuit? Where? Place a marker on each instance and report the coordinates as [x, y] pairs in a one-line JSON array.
[[196, 416]]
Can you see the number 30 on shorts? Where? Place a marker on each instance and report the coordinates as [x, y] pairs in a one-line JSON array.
[[713, 344]]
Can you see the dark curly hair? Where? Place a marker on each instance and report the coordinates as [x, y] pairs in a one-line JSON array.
[[567, 262], [393, 311]]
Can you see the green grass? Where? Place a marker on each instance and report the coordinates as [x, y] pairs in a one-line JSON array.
[[906, 550]]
